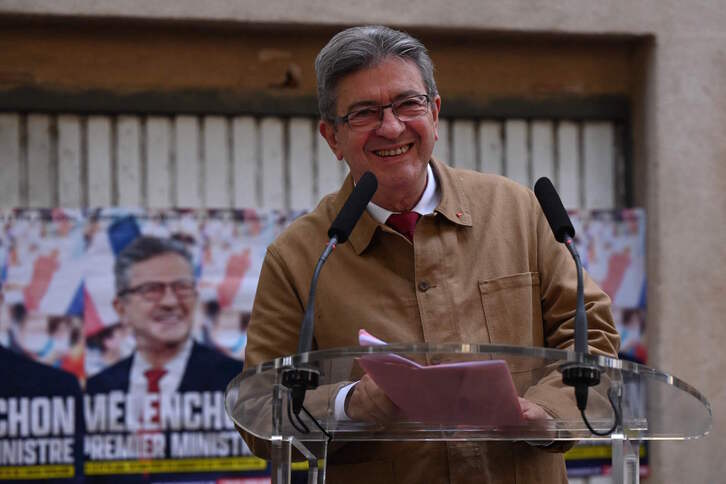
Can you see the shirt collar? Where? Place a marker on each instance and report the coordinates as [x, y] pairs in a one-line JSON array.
[[425, 206], [174, 366], [448, 199]]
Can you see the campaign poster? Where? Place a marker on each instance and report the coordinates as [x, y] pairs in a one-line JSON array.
[[88, 402]]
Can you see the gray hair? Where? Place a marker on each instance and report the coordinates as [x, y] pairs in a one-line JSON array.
[[141, 249], [359, 48]]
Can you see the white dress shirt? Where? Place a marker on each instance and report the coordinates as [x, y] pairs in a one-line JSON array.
[[168, 384], [426, 205]]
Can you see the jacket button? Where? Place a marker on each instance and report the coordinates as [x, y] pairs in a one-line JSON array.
[[424, 286]]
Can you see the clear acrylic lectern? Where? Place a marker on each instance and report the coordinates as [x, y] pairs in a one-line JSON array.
[[639, 402]]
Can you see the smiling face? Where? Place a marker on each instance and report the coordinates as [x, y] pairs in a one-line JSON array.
[[397, 152], [165, 324]]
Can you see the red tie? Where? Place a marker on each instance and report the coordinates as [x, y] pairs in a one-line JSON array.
[[153, 376], [404, 223]]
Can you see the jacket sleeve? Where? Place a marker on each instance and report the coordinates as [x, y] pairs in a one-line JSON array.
[[276, 314]]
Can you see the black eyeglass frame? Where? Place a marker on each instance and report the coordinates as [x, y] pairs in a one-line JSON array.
[[382, 107], [148, 296]]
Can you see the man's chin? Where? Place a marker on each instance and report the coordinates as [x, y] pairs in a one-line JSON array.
[[171, 339], [174, 344], [401, 181]]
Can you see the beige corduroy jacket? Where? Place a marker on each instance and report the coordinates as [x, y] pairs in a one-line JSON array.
[[484, 268]]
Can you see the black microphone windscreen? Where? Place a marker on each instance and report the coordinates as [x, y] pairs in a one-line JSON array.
[[553, 209], [348, 216]]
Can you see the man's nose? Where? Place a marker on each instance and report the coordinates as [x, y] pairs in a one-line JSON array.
[[391, 127], [168, 297]]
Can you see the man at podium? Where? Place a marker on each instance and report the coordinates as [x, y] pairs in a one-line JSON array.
[[441, 255]]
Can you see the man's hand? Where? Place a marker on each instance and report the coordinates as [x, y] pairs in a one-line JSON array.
[[532, 411], [367, 402]]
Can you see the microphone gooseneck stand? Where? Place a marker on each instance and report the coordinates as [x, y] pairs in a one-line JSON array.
[[303, 377], [579, 375]]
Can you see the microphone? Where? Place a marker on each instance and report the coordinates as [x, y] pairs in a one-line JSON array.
[[299, 380], [338, 232], [578, 375], [351, 212], [553, 209]]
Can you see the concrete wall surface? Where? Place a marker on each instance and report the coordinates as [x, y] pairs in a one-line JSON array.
[[550, 15], [680, 150]]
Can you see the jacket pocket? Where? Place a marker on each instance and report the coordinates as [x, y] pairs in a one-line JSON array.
[[513, 316]]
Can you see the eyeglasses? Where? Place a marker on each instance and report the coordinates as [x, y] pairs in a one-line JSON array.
[[371, 117], [154, 291]]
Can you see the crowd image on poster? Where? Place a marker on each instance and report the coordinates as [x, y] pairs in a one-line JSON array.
[[120, 329]]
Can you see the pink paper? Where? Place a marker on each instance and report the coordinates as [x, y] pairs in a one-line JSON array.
[[479, 393]]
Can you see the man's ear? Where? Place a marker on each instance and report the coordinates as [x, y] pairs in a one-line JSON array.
[[328, 131], [118, 306], [435, 110]]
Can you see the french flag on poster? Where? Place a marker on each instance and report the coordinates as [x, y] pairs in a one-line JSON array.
[[107, 236], [56, 270]]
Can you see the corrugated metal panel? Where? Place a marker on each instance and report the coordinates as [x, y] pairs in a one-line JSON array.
[[491, 148], [272, 145], [271, 162], [542, 151], [187, 172], [41, 162], [99, 183], [217, 168], [463, 145], [157, 154], [69, 161], [599, 165], [567, 163], [10, 179], [302, 136], [244, 161], [129, 181], [516, 151]]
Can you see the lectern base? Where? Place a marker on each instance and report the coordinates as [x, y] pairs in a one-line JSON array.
[[625, 459], [282, 455]]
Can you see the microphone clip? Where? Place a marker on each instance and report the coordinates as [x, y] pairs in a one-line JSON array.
[[581, 376], [299, 380]]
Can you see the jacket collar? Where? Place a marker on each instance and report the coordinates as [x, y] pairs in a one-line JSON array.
[[363, 231], [453, 206]]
